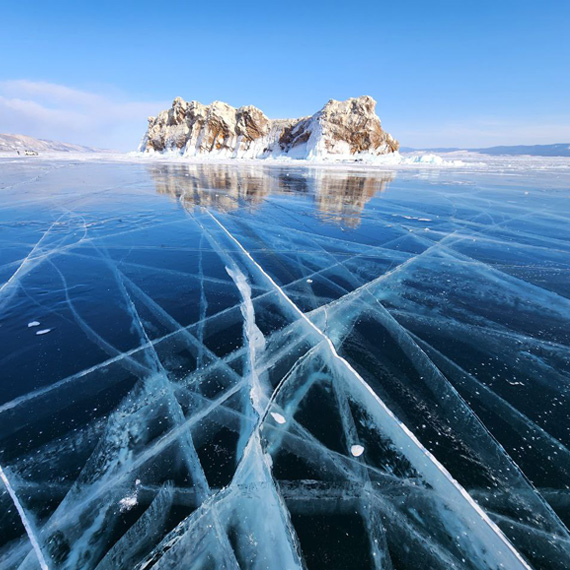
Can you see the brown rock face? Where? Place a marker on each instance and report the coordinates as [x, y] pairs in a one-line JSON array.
[[341, 129], [251, 123], [295, 134], [209, 128], [355, 122]]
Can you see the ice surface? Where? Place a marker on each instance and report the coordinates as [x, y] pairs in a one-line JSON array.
[[282, 367]]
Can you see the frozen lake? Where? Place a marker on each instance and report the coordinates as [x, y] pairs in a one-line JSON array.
[[278, 367]]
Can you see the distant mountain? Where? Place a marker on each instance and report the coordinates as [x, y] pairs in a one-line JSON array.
[[341, 130], [22, 143], [560, 149]]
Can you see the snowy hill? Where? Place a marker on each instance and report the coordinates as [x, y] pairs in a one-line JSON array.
[[341, 130], [532, 150], [21, 143], [559, 149]]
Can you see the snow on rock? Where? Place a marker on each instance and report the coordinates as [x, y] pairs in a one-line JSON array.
[[341, 130]]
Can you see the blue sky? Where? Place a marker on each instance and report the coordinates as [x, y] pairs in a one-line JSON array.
[[444, 73]]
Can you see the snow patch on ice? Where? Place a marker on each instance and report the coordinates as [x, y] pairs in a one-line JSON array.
[[357, 450], [43, 331], [278, 418], [128, 502]]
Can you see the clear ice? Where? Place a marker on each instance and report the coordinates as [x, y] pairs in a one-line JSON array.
[[278, 367]]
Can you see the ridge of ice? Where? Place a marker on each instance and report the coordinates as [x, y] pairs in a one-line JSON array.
[[30, 529], [408, 444]]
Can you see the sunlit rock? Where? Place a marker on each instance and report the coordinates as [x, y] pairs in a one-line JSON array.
[[340, 130]]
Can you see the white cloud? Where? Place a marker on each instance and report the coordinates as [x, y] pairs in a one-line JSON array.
[[57, 112]]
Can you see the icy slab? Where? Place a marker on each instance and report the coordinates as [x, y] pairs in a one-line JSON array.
[[280, 367]]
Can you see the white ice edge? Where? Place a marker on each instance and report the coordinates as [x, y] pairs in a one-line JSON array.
[[406, 441], [420, 160]]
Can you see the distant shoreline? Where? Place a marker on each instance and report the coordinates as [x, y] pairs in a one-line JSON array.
[[452, 161]]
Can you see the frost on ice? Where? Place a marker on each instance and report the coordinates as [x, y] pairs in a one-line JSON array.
[[283, 368]]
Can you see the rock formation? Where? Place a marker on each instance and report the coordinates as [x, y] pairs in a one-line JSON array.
[[341, 130]]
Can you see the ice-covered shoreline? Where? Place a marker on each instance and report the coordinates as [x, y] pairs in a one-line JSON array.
[[458, 161]]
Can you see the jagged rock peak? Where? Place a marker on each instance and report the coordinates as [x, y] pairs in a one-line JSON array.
[[340, 130]]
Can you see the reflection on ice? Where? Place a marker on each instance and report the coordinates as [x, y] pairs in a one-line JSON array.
[[340, 197], [292, 370]]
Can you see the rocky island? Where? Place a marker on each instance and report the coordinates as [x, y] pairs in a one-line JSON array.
[[341, 130]]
